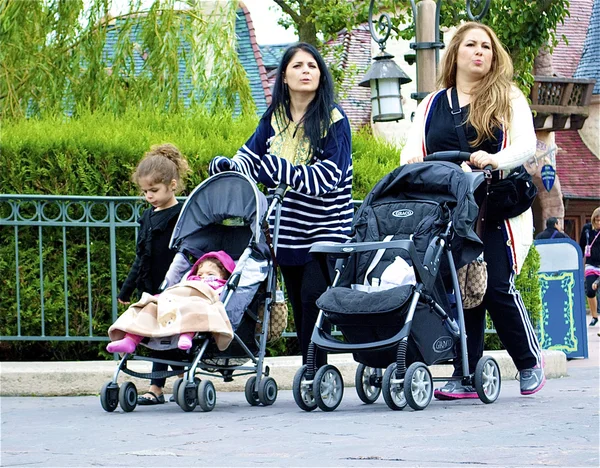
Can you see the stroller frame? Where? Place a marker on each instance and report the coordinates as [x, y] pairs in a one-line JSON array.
[[323, 387], [191, 391]]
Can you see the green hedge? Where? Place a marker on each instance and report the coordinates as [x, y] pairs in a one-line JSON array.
[[95, 155]]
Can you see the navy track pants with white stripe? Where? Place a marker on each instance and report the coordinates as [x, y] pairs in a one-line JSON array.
[[505, 306]]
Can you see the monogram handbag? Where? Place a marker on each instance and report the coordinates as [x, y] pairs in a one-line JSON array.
[[278, 318], [472, 280]]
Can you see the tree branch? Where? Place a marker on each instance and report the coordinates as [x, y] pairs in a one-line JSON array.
[[288, 10]]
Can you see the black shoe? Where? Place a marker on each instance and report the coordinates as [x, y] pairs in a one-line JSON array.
[[594, 321]]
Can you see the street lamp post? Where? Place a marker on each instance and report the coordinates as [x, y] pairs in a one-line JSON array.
[[384, 77]]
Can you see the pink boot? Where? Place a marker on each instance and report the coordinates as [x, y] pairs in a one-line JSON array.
[[125, 345], [185, 341]]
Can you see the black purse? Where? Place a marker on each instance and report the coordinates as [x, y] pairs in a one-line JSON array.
[[511, 196]]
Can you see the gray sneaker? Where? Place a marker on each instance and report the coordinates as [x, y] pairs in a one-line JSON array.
[[454, 390], [532, 380]]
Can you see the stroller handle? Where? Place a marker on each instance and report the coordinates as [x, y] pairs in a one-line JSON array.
[[453, 156], [280, 192], [449, 156]]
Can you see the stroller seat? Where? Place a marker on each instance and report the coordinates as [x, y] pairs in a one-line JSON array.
[[349, 306]]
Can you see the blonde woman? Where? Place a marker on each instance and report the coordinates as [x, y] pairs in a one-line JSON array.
[[476, 73]]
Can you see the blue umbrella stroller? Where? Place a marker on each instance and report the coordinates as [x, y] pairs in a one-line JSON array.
[[420, 216], [225, 212]]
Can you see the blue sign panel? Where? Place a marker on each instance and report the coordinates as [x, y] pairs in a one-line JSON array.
[[563, 325], [548, 175]]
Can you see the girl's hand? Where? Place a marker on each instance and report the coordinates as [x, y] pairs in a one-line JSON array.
[[481, 159], [122, 302]]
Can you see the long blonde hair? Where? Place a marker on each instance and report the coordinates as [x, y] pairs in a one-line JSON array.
[[490, 99]]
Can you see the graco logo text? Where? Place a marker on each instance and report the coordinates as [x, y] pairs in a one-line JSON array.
[[442, 344], [402, 213]]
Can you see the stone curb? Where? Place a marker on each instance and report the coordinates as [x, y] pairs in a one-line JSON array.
[[87, 377]]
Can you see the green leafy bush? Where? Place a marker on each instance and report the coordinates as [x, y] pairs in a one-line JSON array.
[[94, 155]]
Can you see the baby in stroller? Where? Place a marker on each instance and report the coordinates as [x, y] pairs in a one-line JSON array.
[[211, 269]]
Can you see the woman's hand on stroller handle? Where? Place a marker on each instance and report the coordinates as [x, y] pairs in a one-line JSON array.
[[459, 157]]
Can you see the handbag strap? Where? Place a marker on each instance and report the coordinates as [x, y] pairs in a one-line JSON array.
[[458, 123], [456, 112]]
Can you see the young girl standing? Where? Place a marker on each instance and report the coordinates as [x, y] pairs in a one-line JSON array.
[[159, 176]]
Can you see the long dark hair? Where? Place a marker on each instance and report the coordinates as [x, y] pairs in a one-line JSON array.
[[317, 118]]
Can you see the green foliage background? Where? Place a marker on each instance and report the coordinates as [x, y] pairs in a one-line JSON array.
[[94, 155]]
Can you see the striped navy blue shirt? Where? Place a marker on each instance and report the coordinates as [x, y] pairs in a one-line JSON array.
[[319, 205]]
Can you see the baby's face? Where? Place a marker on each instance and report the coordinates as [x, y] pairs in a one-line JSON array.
[[207, 269]]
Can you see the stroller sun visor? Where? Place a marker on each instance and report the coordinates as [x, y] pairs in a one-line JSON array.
[[442, 182], [227, 197]]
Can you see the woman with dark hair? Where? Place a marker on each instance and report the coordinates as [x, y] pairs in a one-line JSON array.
[[496, 127], [304, 141]]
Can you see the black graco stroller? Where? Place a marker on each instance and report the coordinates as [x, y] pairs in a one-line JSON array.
[[424, 214], [225, 212]]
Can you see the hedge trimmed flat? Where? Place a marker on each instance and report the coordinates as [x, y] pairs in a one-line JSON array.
[[152, 400]]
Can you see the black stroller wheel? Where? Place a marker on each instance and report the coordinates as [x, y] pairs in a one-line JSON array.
[[176, 388], [207, 396], [302, 389], [418, 386], [267, 391], [487, 379], [128, 396], [109, 396], [392, 389], [251, 394], [187, 395], [328, 387], [368, 383]]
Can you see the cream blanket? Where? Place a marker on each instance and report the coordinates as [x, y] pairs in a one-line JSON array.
[[189, 306]]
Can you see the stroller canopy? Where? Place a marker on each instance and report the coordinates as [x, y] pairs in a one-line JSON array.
[[443, 183], [227, 198]]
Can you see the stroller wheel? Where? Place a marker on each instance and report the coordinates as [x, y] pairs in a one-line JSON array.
[[368, 383], [487, 379], [109, 396], [267, 391], [418, 386], [187, 395], [302, 389], [328, 388], [176, 388], [128, 396], [251, 394], [207, 395], [392, 389]]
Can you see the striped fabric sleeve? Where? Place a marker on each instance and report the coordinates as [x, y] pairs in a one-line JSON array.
[[321, 177]]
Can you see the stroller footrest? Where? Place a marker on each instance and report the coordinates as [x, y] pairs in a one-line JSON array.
[[152, 375]]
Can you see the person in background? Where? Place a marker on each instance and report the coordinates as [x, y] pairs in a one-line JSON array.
[[589, 241], [497, 121], [552, 230], [304, 141], [159, 176]]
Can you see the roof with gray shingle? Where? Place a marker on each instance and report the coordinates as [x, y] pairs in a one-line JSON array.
[[565, 58], [589, 65], [247, 49]]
